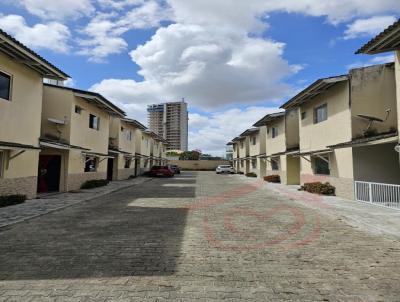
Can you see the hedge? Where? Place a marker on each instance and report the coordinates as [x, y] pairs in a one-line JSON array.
[[273, 178], [318, 188], [90, 184], [251, 174], [9, 200]]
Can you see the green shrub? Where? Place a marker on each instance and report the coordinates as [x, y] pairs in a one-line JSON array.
[[251, 174], [9, 200], [240, 172], [273, 178], [90, 184], [318, 188]]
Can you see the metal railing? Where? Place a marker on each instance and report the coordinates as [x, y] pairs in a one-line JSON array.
[[386, 195]]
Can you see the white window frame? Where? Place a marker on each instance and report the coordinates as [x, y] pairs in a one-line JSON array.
[[11, 85]]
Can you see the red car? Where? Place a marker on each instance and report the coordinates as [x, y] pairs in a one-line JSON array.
[[162, 171]]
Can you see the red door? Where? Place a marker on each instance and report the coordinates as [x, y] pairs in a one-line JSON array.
[[49, 173]]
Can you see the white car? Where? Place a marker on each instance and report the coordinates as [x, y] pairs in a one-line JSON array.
[[224, 169]]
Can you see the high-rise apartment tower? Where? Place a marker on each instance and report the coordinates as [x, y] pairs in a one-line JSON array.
[[170, 121]]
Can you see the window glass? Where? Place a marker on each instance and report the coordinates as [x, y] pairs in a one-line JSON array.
[[303, 115], [128, 162], [274, 132], [254, 163], [94, 122], [242, 163], [321, 166], [275, 164], [5, 86], [254, 140], [90, 164], [320, 114], [78, 110]]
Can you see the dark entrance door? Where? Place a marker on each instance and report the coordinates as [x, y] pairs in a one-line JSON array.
[[49, 173], [110, 169]]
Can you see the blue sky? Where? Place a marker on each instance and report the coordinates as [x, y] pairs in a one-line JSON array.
[[233, 61]]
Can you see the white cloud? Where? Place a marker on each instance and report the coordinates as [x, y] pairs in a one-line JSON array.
[[209, 67], [374, 61], [336, 11], [103, 34], [368, 27], [50, 9], [211, 133], [246, 13], [52, 35]]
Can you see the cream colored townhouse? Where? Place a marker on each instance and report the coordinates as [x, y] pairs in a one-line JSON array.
[[281, 143], [241, 154], [388, 41], [145, 150], [256, 147], [235, 153], [124, 132], [348, 129], [160, 150], [74, 138], [21, 90]]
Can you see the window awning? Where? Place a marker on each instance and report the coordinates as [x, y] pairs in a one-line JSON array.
[[58, 145], [94, 154], [368, 141], [316, 152], [16, 146]]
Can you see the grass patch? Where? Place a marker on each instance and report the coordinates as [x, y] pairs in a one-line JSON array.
[[96, 183], [251, 174]]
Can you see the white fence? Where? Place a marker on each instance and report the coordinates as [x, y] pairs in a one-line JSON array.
[[377, 193]]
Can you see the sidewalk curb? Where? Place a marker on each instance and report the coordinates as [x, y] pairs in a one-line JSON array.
[[4, 227]]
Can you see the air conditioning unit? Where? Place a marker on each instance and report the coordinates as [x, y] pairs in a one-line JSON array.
[[397, 148]]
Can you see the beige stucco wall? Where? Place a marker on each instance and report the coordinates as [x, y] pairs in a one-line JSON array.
[[20, 123], [193, 165], [20, 117], [373, 91], [377, 163], [57, 104], [278, 143], [336, 129], [292, 128], [254, 149], [341, 168], [82, 135], [244, 148]]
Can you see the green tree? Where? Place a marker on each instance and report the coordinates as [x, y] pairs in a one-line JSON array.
[[190, 155]]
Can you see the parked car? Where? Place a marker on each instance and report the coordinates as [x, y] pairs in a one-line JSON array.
[[160, 171], [175, 168], [224, 169]]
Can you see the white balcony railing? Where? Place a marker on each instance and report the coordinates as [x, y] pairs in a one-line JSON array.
[[378, 193]]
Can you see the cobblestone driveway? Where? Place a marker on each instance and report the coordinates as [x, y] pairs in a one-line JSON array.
[[198, 237]]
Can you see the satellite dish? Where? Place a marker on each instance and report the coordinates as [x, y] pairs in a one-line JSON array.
[[57, 122], [372, 119]]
